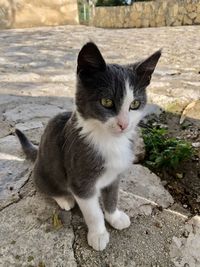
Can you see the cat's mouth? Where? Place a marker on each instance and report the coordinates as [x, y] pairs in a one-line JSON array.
[[120, 132]]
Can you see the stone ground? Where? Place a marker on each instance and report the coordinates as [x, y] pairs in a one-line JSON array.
[[37, 74]]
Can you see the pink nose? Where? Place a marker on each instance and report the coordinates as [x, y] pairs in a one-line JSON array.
[[122, 125]]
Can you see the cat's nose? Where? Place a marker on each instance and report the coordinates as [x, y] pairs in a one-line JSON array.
[[122, 125]]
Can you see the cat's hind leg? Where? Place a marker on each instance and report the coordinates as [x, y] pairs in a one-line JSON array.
[[65, 202]]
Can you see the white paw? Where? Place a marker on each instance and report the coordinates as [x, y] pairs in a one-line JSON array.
[[65, 203], [118, 219], [98, 240]]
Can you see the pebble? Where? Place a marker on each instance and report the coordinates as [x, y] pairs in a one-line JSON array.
[[179, 175], [186, 234], [164, 182], [196, 144]]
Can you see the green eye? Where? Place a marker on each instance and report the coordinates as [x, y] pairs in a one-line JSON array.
[[135, 104], [107, 103]]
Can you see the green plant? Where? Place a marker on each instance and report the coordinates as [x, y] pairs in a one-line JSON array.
[[162, 151]]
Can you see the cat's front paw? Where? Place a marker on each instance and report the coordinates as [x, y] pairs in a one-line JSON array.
[[98, 240], [118, 219]]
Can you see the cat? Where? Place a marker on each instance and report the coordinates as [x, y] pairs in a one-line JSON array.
[[82, 153]]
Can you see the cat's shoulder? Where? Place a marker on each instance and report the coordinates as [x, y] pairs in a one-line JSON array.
[[59, 120], [55, 126]]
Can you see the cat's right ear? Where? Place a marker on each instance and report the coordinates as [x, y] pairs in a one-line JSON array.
[[90, 59]]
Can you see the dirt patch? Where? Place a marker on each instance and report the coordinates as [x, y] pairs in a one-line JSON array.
[[184, 182]]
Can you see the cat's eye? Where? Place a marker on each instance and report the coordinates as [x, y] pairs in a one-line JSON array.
[[107, 103], [135, 104]]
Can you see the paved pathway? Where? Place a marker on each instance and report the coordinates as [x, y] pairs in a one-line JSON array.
[[37, 80]]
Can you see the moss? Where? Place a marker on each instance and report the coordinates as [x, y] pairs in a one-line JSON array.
[[17, 257], [30, 258]]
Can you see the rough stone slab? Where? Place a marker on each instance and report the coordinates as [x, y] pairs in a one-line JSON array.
[[13, 174], [145, 188], [14, 171], [28, 237], [29, 125], [29, 111], [6, 99], [4, 129], [145, 243], [185, 251], [135, 205], [11, 146]]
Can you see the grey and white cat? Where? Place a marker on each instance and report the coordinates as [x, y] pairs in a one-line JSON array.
[[82, 154]]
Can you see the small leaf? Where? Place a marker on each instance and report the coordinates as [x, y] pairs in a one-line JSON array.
[[56, 221], [179, 175], [41, 264]]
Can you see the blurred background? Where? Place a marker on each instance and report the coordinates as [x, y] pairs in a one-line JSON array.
[[100, 13]]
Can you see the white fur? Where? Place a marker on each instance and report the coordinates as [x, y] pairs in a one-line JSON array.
[[134, 116], [124, 116], [118, 219], [65, 203], [97, 237]]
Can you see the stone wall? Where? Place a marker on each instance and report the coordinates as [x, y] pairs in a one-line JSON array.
[[30, 13], [149, 14]]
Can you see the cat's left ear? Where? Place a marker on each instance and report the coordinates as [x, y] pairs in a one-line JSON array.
[[90, 59], [144, 69]]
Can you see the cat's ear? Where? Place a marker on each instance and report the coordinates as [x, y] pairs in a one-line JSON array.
[[90, 59], [145, 68]]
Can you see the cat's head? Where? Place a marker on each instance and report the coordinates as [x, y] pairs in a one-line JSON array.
[[111, 96]]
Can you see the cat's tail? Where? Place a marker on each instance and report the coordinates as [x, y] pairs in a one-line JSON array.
[[29, 149]]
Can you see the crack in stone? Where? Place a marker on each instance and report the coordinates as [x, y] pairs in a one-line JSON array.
[[74, 242], [19, 195], [12, 202]]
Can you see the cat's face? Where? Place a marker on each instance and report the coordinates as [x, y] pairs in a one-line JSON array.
[[112, 97]]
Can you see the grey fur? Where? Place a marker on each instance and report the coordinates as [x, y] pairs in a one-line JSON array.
[[29, 149], [110, 196], [65, 161], [71, 164]]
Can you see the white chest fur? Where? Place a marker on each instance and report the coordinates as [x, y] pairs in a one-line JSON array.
[[118, 157], [116, 150]]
